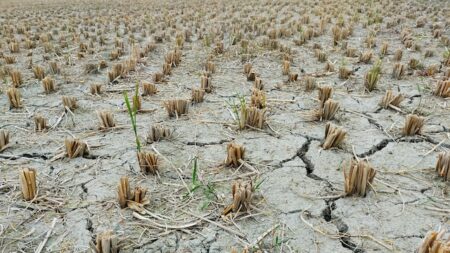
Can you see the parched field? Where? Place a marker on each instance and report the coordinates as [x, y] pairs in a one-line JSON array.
[[224, 126]]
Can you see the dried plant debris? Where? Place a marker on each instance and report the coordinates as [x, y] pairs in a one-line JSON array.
[[158, 133], [325, 93], [137, 102], [286, 67], [399, 71], [40, 123], [292, 77], [333, 136], [309, 83], [197, 95], [242, 197], [258, 99], [253, 117], [27, 178], [258, 84], [235, 153], [107, 242], [206, 83], [148, 162], [14, 98], [106, 119], [148, 89], [413, 125], [16, 78], [435, 242], [4, 139], [38, 72], [48, 84], [76, 148], [96, 89], [442, 89], [390, 100], [210, 67], [176, 107], [251, 76], [247, 68], [443, 165], [344, 73], [158, 77], [327, 112], [127, 197], [358, 177], [69, 103]]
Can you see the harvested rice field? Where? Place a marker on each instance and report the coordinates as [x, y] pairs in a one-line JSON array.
[[224, 126]]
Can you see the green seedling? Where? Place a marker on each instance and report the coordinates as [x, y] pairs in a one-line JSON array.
[[132, 111], [208, 190], [373, 76]]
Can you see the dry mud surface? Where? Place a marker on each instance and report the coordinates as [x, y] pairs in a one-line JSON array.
[[298, 204]]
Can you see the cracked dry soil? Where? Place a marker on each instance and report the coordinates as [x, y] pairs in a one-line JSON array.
[[300, 193]]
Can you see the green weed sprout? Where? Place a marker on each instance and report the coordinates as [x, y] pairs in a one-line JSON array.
[[132, 111]]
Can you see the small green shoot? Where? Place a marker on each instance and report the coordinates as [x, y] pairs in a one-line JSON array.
[[133, 112], [372, 77]]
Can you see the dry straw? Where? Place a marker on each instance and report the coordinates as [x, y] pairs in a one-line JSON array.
[[176, 107], [443, 165], [258, 84], [106, 119], [127, 197], [235, 153], [96, 89], [148, 162], [344, 73], [16, 78], [292, 77], [76, 148], [197, 95], [333, 136], [28, 182], [327, 112], [325, 93], [258, 99], [242, 196], [366, 57], [358, 177], [48, 84], [435, 242], [442, 89], [206, 84], [148, 89], [398, 71], [251, 76], [286, 67], [107, 242], [38, 72], [413, 125], [54, 68], [247, 68], [157, 133], [4, 139], [210, 67], [40, 123], [390, 100], [309, 83], [14, 98], [69, 103], [158, 77]]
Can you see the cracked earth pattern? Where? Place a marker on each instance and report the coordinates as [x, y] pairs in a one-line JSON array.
[[302, 184]]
